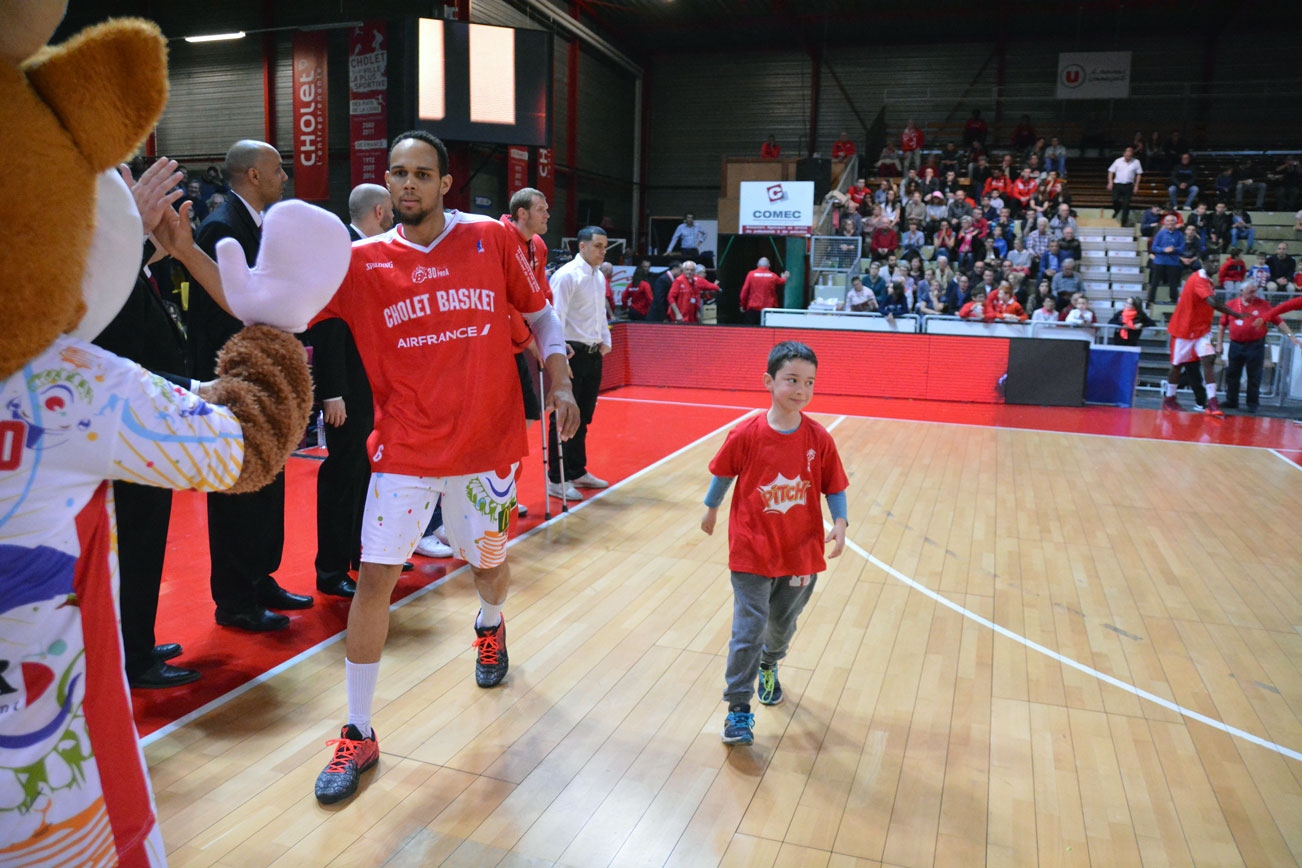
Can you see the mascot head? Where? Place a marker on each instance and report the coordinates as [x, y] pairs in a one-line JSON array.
[[71, 113]]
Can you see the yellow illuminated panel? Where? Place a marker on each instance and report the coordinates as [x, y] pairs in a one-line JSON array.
[[430, 105], [492, 75]]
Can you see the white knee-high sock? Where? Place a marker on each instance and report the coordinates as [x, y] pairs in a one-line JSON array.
[[361, 678], [490, 614]]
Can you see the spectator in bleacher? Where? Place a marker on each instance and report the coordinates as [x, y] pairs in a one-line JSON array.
[[1019, 257], [890, 209], [949, 184], [959, 206], [1052, 260], [987, 282], [956, 293], [912, 242], [1055, 157], [1184, 182], [1038, 239], [842, 252], [1246, 181], [930, 182], [1068, 280], [1193, 248], [988, 210], [1003, 307], [949, 159], [875, 281], [967, 242], [858, 298], [915, 210], [850, 212], [1037, 209], [975, 307], [1069, 244], [1034, 300], [1247, 349], [1219, 225], [911, 184], [688, 237], [843, 148], [1233, 271], [996, 183], [975, 129], [879, 195], [1123, 175], [1005, 219], [937, 213], [1202, 221], [1241, 227], [897, 301], [888, 163], [944, 241], [858, 191], [1036, 165], [1051, 188], [1282, 268], [1259, 272], [1046, 312], [1061, 220], [979, 172], [998, 243], [1132, 320], [1224, 184], [926, 302], [1288, 176], [885, 240], [1023, 191], [1138, 146], [1151, 221], [771, 150], [912, 141], [944, 274], [1080, 315]]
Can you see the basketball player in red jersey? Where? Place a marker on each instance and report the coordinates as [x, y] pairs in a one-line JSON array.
[[428, 304]]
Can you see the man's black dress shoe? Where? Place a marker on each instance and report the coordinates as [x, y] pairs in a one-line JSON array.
[[162, 675], [167, 651], [408, 566], [279, 598], [339, 586], [257, 620]]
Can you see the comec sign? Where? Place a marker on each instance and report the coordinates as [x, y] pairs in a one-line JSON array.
[[776, 208]]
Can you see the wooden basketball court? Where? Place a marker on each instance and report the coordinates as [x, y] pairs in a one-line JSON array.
[[1039, 649]]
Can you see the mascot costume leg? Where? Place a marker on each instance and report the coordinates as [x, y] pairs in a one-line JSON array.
[[74, 789]]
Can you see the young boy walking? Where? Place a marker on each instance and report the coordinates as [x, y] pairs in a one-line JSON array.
[[784, 460]]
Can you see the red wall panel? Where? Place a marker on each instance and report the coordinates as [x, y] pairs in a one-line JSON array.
[[868, 364]]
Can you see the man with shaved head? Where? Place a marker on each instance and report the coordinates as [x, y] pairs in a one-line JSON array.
[[246, 532], [370, 211]]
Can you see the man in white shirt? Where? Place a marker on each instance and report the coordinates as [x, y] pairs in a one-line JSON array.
[[690, 236], [579, 296], [1123, 175]]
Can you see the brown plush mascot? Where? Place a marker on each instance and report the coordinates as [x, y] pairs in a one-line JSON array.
[[73, 784]]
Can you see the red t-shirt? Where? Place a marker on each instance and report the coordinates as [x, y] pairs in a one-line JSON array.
[[761, 289], [1193, 315], [686, 295], [640, 298], [1233, 270], [1024, 189], [842, 150], [775, 525], [431, 327], [911, 140], [1242, 330]]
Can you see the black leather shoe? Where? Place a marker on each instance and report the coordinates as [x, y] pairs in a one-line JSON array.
[[408, 566], [167, 652], [341, 586], [256, 621], [161, 675], [279, 598]]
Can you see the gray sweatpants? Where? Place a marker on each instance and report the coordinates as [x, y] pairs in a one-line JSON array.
[[764, 613]]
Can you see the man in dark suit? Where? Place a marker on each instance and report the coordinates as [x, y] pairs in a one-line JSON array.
[[660, 292], [145, 332], [246, 532], [347, 405]]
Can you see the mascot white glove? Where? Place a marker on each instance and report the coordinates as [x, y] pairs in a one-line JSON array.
[[302, 259]]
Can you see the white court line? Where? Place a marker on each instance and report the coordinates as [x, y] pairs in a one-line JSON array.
[[1289, 461], [1067, 661], [325, 643]]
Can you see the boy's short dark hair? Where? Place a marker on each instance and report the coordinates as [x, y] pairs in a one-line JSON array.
[[788, 351]]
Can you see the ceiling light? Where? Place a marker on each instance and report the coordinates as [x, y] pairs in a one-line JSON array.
[[215, 37]]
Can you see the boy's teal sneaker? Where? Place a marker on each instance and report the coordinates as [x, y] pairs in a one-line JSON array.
[[770, 689], [738, 724]]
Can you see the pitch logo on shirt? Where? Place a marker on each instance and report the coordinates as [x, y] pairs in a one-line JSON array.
[[782, 493]]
